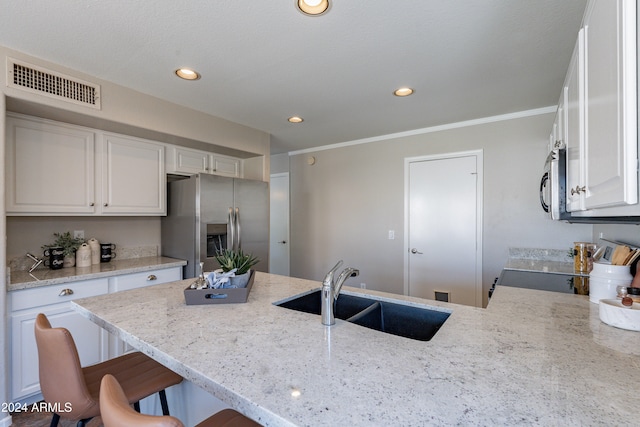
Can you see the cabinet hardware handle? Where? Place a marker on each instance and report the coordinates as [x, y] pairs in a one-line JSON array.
[[65, 292], [106, 204], [284, 242], [152, 277], [92, 204]]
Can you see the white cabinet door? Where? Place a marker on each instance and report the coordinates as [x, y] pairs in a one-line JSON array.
[[91, 340], [55, 169], [226, 166], [187, 161], [610, 115], [133, 176], [573, 94], [49, 168]]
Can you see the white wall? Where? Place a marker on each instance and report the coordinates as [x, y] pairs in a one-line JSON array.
[[4, 328], [343, 206]]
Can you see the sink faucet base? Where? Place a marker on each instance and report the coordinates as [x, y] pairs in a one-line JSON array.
[[331, 291]]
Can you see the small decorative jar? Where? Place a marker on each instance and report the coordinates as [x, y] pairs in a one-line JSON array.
[[83, 256], [94, 244]]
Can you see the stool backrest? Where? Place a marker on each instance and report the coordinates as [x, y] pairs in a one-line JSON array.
[[115, 410], [61, 379]]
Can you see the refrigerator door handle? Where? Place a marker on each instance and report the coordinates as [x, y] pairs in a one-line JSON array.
[[232, 230], [238, 233]]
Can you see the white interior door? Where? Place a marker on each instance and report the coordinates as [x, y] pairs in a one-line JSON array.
[[279, 240], [443, 198]]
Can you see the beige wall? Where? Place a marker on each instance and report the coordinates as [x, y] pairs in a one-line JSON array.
[[28, 234], [343, 206], [136, 111]]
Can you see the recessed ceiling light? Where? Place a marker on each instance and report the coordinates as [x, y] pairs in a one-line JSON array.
[[403, 91], [313, 7], [187, 74], [295, 119]]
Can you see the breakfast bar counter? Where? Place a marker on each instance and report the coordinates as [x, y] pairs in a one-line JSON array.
[[530, 358]]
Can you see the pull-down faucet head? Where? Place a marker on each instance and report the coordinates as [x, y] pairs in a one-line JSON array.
[[346, 273]]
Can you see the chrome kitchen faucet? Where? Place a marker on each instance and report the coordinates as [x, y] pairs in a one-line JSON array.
[[331, 291]]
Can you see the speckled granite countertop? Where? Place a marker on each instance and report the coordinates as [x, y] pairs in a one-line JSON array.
[[45, 277], [531, 358]]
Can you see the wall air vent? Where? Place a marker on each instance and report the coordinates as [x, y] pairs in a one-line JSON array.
[[49, 83]]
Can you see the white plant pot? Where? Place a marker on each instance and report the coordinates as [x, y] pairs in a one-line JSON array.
[[240, 281]]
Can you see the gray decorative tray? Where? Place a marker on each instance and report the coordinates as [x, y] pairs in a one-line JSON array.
[[219, 296]]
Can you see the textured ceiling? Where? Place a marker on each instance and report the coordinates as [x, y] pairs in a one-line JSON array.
[[263, 61]]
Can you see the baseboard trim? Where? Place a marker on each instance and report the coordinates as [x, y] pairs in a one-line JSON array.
[[6, 421]]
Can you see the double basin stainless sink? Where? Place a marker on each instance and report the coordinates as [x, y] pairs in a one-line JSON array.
[[418, 323]]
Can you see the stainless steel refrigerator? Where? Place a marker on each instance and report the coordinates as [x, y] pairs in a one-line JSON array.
[[206, 213]]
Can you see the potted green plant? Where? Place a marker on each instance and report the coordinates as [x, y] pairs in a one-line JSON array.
[[230, 259], [69, 244]]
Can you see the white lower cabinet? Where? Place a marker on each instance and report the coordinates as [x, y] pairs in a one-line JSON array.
[[53, 301], [94, 344]]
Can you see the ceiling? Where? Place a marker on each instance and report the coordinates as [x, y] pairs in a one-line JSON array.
[[264, 61]]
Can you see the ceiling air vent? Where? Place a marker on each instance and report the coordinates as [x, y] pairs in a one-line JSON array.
[[52, 84]]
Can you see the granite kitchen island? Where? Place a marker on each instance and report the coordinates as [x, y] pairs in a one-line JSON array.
[[530, 358]]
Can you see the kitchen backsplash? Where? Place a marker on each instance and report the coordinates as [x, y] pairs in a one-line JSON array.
[[558, 255], [24, 262]]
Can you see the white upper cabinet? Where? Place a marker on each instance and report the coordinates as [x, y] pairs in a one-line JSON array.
[[188, 161], [50, 168], [54, 168], [601, 127], [133, 176], [610, 115]]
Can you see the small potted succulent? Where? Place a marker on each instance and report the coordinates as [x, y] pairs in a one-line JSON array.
[[236, 259], [69, 244]]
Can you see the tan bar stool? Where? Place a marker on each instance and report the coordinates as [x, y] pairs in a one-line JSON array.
[[116, 412], [65, 383]]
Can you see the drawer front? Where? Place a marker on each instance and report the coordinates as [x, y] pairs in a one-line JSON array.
[[146, 278], [45, 295]]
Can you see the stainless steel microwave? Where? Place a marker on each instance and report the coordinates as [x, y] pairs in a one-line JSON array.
[[553, 195]]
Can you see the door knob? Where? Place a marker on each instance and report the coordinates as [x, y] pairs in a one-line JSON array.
[[415, 251]]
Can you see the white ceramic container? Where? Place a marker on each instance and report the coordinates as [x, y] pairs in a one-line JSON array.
[[83, 256], [94, 244], [604, 278], [613, 313]]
